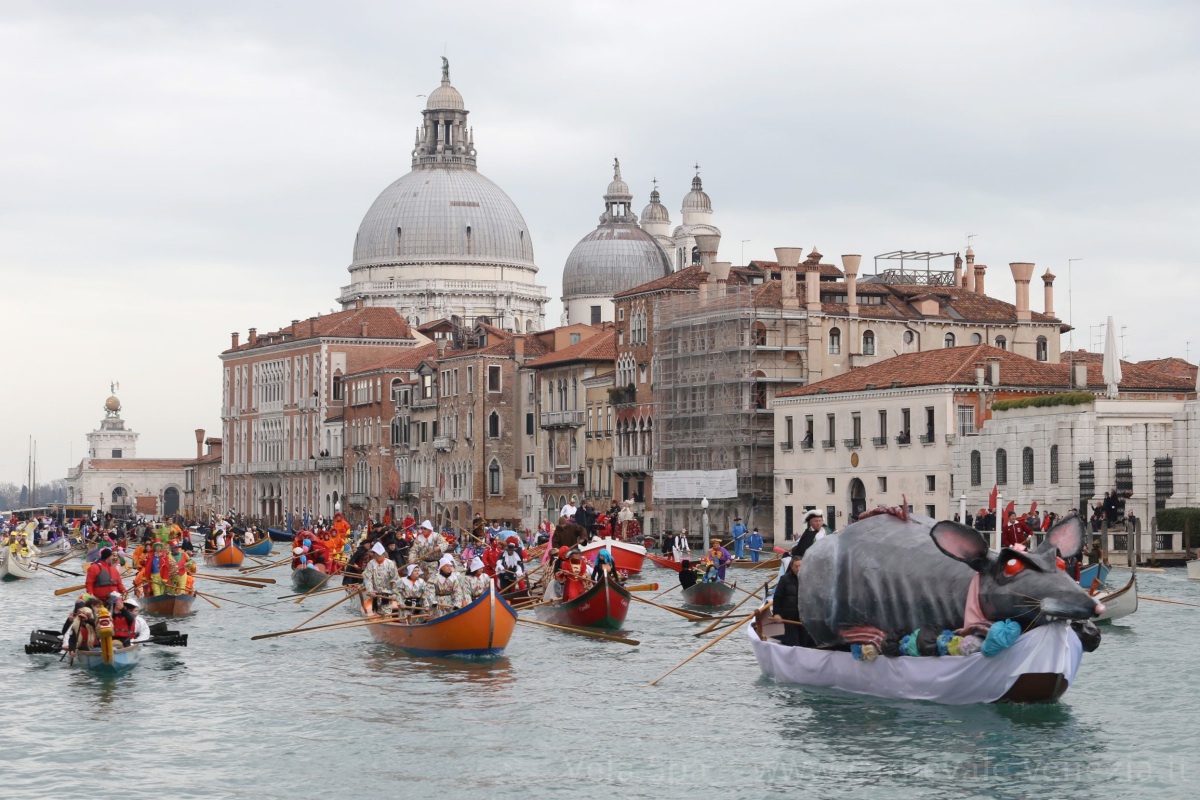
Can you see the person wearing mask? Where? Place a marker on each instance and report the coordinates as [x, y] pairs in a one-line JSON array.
[[569, 510], [754, 543], [510, 568]]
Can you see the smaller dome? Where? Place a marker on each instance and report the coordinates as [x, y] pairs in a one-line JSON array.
[[614, 257], [445, 97], [696, 199], [618, 190], [655, 211]]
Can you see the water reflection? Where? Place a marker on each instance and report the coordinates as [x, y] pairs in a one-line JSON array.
[[394, 664]]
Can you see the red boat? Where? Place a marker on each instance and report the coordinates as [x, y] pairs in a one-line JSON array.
[[228, 556], [708, 594], [168, 605], [604, 605], [666, 563], [627, 556]]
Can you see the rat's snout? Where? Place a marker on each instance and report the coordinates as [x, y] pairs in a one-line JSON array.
[[1099, 609]]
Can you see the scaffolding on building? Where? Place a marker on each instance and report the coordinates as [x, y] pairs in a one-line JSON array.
[[713, 372]]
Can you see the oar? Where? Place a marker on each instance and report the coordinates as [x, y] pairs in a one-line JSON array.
[[231, 582], [67, 556], [307, 595], [527, 606], [69, 589], [354, 593], [235, 602], [236, 578], [57, 571], [571, 629], [732, 628], [324, 581], [1164, 600], [357, 623], [664, 591], [643, 587], [688, 615], [205, 597], [1139, 569], [247, 570], [736, 621], [729, 613]]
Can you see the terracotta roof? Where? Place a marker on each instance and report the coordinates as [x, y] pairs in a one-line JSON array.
[[334, 416], [137, 464], [601, 347], [826, 270], [208, 459], [685, 280], [403, 361], [956, 366], [372, 322]]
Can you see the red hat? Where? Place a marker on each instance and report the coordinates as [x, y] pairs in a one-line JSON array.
[[562, 551]]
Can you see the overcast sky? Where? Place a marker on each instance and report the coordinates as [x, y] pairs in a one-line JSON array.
[[172, 172]]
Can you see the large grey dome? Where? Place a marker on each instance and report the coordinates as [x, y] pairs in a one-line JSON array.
[[443, 215], [614, 257]]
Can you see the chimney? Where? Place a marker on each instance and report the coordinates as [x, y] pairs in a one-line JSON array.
[[358, 304], [199, 443], [1022, 272], [788, 258], [812, 286], [850, 267], [958, 272], [518, 346], [703, 292], [979, 373], [969, 273], [707, 244], [1079, 376], [721, 270], [441, 348], [363, 330], [994, 371], [233, 340], [312, 326], [980, 269], [253, 338], [1048, 280]]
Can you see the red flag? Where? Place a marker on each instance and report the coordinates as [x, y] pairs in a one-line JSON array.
[[1033, 508], [992, 497]]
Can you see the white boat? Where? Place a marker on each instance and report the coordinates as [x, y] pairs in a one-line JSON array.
[[60, 546], [1038, 668], [1194, 570], [3, 562], [123, 659], [1119, 602], [19, 567]]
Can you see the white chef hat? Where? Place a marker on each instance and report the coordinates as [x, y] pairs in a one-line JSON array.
[[378, 549], [427, 525], [446, 559], [476, 563], [410, 569]]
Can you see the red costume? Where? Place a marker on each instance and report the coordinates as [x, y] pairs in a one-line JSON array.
[[490, 556], [572, 575]]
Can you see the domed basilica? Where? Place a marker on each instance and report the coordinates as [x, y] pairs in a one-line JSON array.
[[443, 241]]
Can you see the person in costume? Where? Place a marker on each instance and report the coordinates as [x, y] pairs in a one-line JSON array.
[[477, 578], [179, 567], [104, 576], [510, 568], [427, 549], [574, 575], [412, 587], [754, 543], [606, 568], [491, 556], [155, 573], [446, 591], [738, 532], [680, 547], [719, 557], [380, 581]]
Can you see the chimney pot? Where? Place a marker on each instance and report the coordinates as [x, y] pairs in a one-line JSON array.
[[253, 338], [969, 272], [850, 264], [233, 340], [1022, 272], [994, 371], [199, 443], [812, 285], [788, 256], [980, 271], [707, 244], [358, 304], [1048, 281]]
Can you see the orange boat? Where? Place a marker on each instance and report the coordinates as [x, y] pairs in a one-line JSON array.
[[479, 630], [228, 556]]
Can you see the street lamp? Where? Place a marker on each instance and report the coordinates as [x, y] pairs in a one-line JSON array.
[[704, 521]]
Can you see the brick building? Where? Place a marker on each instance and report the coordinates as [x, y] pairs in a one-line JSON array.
[[202, 479]]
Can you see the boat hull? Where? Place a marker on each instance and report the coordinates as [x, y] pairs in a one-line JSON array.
[[1037, 669], [308, 578], [1119, 603], [605, 605], [259, 548], [627, 557], [479, 630], [1091, 573], [708, 595], [124, 659], [665, 563], [16, 567], [278, 535], [228, 556], [1194, 570], [168, 605]]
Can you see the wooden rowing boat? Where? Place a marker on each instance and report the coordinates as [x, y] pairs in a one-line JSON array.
[[168, 605], [278, 535], [228, 556], [708, 594], [305, 579], [664, 562], [123, 659], [1119, 603], [604, 605], [767, 563], [1037, 669], [260, 548], [627, 557], [479, 630], [18, 567], [1092, 573]]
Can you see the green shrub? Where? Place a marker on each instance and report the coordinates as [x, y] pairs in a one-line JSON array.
[[1046, 401], [1181, 519]]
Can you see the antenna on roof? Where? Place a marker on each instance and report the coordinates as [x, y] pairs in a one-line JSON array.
[[970, 236]]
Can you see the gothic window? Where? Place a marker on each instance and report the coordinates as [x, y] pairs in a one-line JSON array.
[[868, 343], [494, 425], [1027, 466], [494, 477], [1001, 342], [1001, 467], [976, 468], [835, 341]]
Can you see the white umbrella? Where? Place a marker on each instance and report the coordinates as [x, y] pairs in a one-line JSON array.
[[1112, 360]]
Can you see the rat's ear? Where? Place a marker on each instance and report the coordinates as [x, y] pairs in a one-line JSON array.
[[961, 543], [1067, 537]]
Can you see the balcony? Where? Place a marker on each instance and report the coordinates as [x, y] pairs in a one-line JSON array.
[[562, 479], [329, 462], [828, 444], [562, 419], [785, 447], [880, 441], [806, 444], [408, 489], [852, 444], [425, 402], [927, 438], [441, 443], [904, 439], [631, 465], [623, 395], [357, 500]]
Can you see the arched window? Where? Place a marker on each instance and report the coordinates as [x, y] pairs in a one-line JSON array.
[[976, 468], [494, 425], [1027, 466], [949, 340], [1001, 342], [1001, 467], [760, 334], [1054, 463], [835, 341], [976, 338], [118, 495], [494, 477], [1043, 349], [868, 343]]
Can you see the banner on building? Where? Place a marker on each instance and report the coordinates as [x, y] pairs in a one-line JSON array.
[[687, 484]]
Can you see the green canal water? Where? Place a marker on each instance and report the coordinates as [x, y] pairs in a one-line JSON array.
[[334, 715]]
